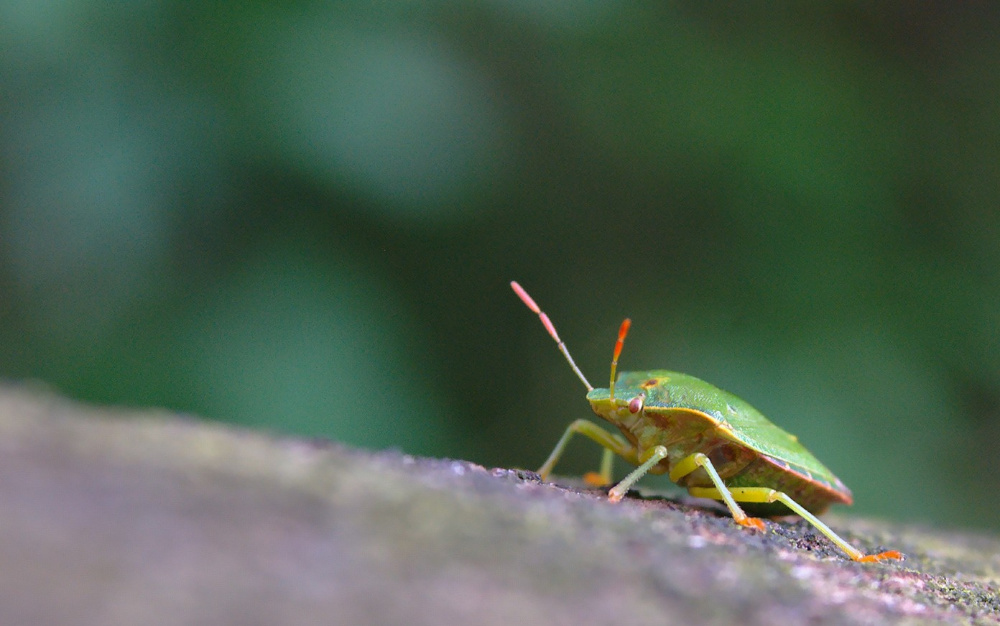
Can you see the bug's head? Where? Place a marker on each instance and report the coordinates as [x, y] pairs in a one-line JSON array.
[[621, 400], [622, 408], [608, 403]]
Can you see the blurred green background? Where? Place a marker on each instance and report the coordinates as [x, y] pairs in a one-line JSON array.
[[304, 216]]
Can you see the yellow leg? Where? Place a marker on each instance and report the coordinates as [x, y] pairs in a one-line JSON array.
[[689, 464], [763, 494], [612, 444]]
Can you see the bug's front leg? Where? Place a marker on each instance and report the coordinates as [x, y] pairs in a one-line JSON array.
[[649, 459], [603, 438]]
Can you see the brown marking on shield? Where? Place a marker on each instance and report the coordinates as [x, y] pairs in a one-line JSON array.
[[729, 458]]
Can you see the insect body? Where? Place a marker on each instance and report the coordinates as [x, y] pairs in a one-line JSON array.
[[708, 440]]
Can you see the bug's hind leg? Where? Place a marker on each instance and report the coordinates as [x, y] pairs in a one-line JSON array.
[[763, 495], [612, 444]]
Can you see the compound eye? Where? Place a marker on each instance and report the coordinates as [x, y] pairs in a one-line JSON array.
[[635, 404]]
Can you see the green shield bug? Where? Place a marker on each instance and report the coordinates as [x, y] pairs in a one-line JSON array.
[[707, 440]]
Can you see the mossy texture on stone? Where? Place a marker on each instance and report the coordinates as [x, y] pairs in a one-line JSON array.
[[126, 517]]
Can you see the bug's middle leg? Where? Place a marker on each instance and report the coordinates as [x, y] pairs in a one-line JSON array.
[[690, 463]]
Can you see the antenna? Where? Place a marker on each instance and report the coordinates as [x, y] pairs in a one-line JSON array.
[[622, 331], [523, 295]]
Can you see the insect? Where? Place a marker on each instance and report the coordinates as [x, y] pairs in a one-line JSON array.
[[708, 440]]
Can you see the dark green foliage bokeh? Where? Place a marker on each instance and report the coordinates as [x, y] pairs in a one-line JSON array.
[[304, 216]]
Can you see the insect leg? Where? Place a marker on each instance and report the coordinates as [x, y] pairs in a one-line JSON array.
[[592, 431], [763, 494], [603, 477], [689, 464], [653, 456]]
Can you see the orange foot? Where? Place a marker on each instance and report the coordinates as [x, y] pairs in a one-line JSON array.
[[752, 522], [873, 558], [594, 479]]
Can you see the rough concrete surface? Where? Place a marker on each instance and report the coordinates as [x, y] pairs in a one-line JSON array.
[[124, 517]]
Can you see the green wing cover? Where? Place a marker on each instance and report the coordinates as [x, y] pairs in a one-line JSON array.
[[749, 426]]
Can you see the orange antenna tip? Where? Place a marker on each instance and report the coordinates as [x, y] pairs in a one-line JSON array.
[[550, 328], [525, 298], [622, 332]]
